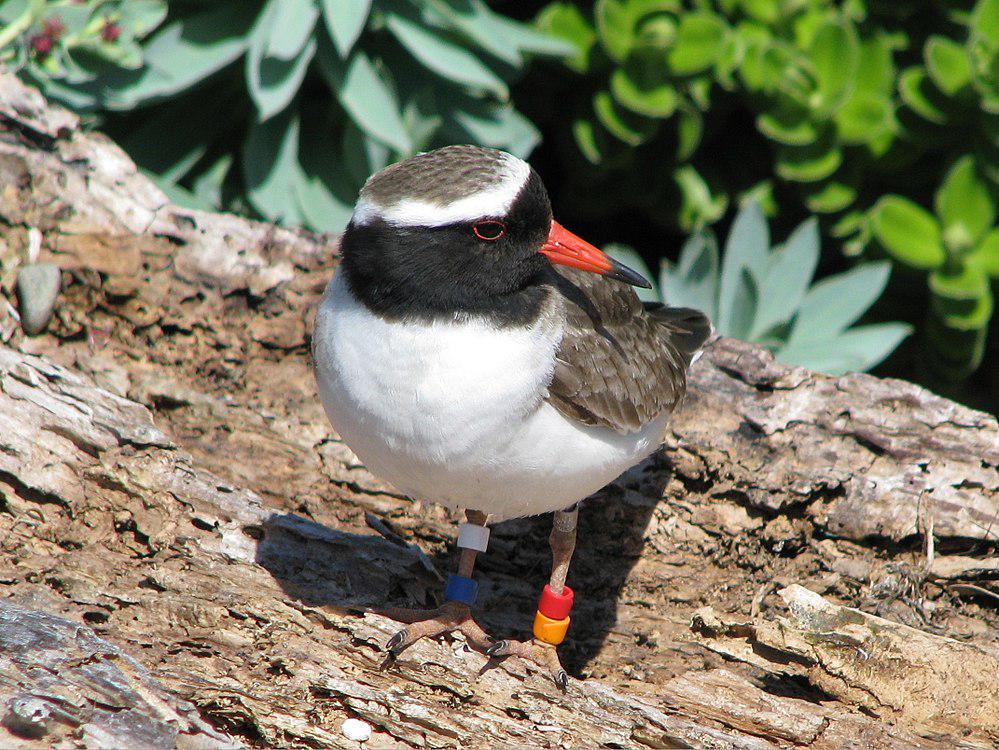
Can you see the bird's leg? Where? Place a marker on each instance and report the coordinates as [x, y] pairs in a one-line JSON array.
[[455, 613], [552, 619]]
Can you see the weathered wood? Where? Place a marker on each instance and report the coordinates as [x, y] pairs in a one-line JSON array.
[[220, 539], [61, 683]]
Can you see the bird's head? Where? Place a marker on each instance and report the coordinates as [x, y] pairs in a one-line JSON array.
[[459, 229]]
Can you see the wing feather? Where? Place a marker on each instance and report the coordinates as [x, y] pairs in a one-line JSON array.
[[621, 364]]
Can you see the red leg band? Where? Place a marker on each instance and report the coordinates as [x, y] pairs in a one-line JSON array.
[[556, 606]]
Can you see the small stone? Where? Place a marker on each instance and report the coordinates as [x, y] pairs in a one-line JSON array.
[[27, 716], [37, 288], [356, 730]]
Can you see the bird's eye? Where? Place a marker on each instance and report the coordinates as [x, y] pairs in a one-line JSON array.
[[490, 231]]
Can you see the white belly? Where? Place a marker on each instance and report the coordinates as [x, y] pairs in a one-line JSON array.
[[454, 412]]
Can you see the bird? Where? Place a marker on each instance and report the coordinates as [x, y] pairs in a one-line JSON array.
[[474, 353]]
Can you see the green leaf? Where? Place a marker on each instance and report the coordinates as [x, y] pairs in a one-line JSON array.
[[286, 26], [142, 16], [765, 11], [986, 255], [644, 87], [747, 247], [368, 99], [615, 29], [810, 163], [834, 303], [908, 232], [689, 131], [477, 23], [531, 40], [856, 350], [967, 281], [785, 282], [273, 83], [163, 142], [832, 197], [182, 54], [590, 140], [694, 280], [444, 57], [207, 186], [745, 301], [699, 41], [625, 126], [178, 195], [497, 125], [125, 53], [916, 90], [362, 155], [788, 125], [270, 167], [345, 20], [567, 22], [618, 23], [948, 64], [876, 69], [633, 260], [961, 298], [964, 205], [274, 68], [698, 207], [984, 22], [834, 55], [864, 117], [323, 189]]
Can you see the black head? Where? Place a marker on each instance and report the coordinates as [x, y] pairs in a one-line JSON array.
[[451, 232]]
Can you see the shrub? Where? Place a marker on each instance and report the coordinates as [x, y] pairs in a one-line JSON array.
[[863, 112], [285, 106], [766, 295]]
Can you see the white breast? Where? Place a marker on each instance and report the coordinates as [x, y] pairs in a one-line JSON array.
[[454, 411]]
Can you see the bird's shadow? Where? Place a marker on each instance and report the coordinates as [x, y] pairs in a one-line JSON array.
[[349, 572]]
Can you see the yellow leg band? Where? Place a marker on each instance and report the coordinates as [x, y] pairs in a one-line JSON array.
[[550, 631]]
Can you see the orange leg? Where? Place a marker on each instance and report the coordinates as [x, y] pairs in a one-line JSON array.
[[538, 651], [450, 617]]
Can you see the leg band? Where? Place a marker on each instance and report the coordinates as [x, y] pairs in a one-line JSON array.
[[550, 631], [460, 589], [473, 536], [556, 606]]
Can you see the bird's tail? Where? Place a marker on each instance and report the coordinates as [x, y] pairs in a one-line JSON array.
[[688, 329]]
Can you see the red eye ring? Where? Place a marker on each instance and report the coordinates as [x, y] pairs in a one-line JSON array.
[[490, 231]]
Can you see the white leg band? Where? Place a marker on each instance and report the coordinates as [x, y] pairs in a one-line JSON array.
[[473, 536]]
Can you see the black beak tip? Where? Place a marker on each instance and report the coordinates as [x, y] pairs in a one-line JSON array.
[[621, 272]]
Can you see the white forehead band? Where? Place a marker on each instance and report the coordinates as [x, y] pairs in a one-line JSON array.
[[495, 201]]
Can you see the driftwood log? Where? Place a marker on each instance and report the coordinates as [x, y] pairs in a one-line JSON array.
[[190, 558]]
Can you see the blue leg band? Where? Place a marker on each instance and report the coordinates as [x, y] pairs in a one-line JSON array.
[[460, 589]]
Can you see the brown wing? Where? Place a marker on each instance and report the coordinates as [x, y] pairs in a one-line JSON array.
[[621, 363]]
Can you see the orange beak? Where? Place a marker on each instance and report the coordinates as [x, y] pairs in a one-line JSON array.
[[566, 249]]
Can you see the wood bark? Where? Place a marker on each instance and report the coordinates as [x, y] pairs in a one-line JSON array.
[[187, 551]]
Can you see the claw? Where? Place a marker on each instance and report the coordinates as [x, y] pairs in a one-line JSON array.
[[496, 649], [562, 680], [395, 644]]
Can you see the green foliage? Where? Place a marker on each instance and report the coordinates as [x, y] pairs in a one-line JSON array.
[[286, 106], [763, 294], [865, 113]]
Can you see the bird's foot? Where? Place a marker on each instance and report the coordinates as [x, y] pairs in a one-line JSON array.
[[450, 617], [537, 652]]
